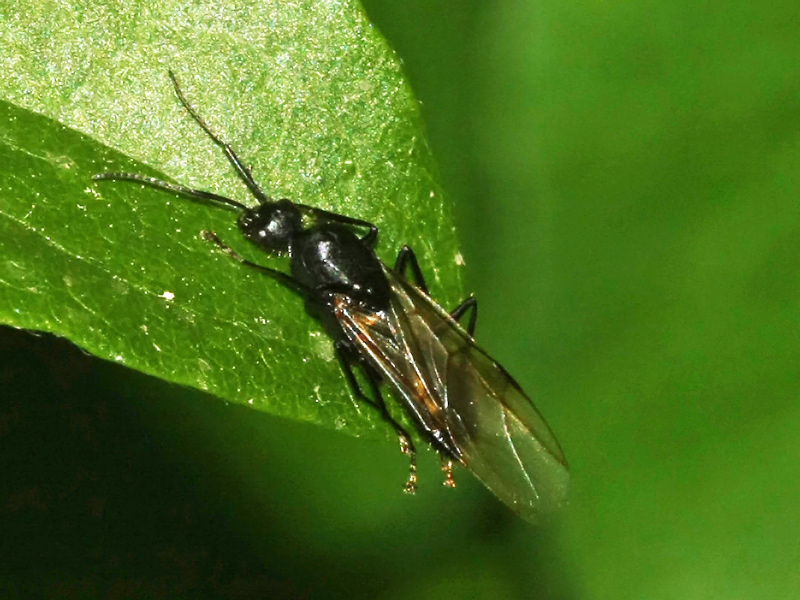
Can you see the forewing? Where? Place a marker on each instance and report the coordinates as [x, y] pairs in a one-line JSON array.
[[507, 444], [477, 410], [407, 362]]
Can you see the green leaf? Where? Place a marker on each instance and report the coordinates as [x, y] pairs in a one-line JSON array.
[[309, 94]]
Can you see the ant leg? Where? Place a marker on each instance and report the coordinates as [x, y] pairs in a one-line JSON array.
[[280, 276], [371, 237], [458, 312], [406, 445], [447, 469], [240, 167], [406, 258]]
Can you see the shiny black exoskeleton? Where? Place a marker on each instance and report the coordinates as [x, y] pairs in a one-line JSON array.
[[326, 256], [328, 260]]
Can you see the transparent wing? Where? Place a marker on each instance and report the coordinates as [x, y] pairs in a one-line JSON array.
[[462, 399]]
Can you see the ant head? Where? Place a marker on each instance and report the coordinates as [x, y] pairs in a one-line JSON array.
[[272, 225]]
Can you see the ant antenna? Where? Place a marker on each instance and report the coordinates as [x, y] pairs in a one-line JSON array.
[[241, 170], [172, 187], [237, 163]]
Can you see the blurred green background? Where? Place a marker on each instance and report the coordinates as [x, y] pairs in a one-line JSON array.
[[627, 180]]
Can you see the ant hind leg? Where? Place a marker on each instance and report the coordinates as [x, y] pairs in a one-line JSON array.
[[378, 403]]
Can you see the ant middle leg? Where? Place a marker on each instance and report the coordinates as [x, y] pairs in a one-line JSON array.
[[405, 259], [378, 403]]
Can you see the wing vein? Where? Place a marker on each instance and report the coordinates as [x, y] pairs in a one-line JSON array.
[[517, 456]]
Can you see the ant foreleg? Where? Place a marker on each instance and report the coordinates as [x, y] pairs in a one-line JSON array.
[[287, 280]]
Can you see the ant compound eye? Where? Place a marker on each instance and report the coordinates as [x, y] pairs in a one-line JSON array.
[[271, 226]]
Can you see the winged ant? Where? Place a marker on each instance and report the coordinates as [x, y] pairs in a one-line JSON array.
[[385, 323]]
